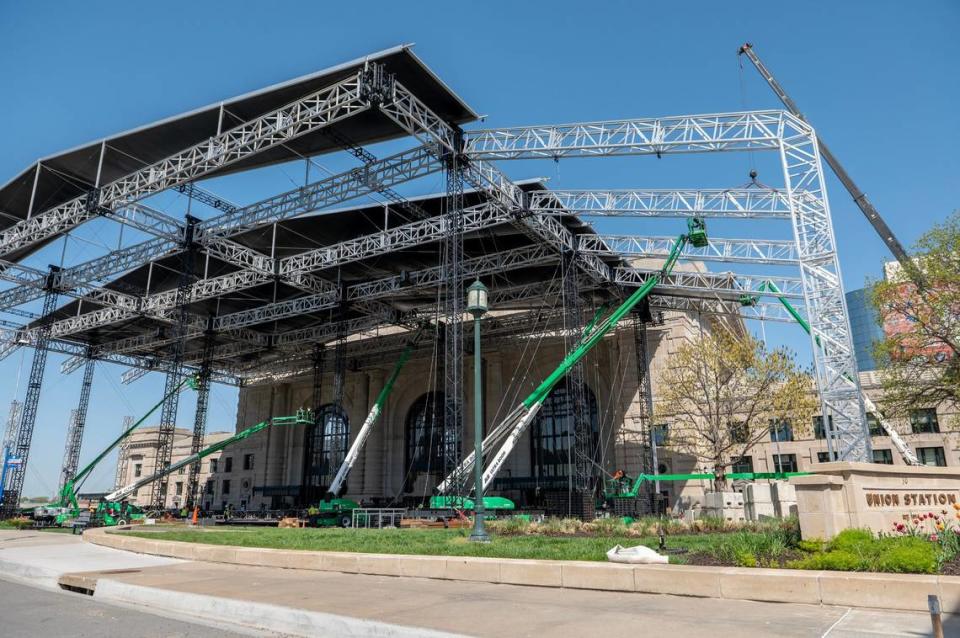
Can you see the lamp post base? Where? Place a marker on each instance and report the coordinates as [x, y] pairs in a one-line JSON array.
[[479, 537]]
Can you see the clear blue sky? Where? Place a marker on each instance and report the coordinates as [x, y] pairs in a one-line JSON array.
[[879, 80]]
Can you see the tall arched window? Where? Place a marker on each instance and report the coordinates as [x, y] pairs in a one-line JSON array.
[[553, 432], [327, 447], [425, 435]]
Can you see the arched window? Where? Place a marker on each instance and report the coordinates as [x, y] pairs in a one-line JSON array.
[[425, 435], [327, 446], [553, 432]]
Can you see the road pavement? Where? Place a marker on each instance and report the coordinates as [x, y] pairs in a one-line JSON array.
[[32, 611], [304, 602]]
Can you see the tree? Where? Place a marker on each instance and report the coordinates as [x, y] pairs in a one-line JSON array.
[[721, 395], [920, 354]]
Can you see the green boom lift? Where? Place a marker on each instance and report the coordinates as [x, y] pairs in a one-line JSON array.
[[512, 427], [904, 450], [302, 417], [66, 507]]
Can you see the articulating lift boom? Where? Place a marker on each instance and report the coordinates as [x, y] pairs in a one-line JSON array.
[[302, 417], [68, 494], [905, 452], [338, 484], [513, 426], [859, 197]]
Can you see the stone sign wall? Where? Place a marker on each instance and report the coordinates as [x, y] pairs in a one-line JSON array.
[[843, 495]]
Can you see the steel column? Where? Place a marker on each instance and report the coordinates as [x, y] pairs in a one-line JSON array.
[[31, 401]]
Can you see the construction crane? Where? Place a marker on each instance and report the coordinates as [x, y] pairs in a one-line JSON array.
[[859, 197], [513, 426], [902, 448]]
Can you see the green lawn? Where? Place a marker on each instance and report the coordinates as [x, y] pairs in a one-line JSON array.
[[436, 542]]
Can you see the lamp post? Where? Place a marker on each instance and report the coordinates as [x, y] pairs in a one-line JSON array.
[[477, 306]]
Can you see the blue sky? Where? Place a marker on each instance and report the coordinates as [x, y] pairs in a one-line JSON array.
[[877, 80]]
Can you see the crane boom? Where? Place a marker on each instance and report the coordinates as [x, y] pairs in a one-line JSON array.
[[302, 417], [68, 494], [514, 425], [350, 458], [859, 197]]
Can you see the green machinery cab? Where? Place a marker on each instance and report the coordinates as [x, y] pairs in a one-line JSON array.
[[335, 512]]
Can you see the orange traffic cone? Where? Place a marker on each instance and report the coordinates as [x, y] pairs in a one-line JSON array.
[[196, 509]]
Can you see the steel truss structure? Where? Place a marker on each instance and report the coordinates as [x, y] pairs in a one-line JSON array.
[[243, 311], [78, 421]]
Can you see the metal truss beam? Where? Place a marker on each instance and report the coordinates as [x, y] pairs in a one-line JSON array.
[[397, 238], [759, 311], [447, 141], [835, 364], [309, 113], [745, 251], [740, 131], [723, 203], [727, 286]]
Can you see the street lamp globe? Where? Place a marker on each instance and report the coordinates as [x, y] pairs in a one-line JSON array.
[[477, 304]]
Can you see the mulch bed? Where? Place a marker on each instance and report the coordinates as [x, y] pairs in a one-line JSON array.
[[951, 568]]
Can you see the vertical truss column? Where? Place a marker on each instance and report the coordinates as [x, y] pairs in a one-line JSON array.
[[78, 419], [310, 484], [21, 447], [580, 426], [200, 417], [168, 415], [123, 455], [835, 365], [453, 291]]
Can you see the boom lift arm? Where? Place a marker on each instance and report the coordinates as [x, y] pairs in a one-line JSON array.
[[338, 484], [905, 452], [301, 417], [68, 494], [859, 197], [521, 417], [496, 435]]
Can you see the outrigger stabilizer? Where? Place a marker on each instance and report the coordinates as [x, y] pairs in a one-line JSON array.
[[902, 448], [514, 424], [66, 507]]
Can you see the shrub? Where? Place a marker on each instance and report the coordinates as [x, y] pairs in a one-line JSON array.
[[557, 526], [748, 549], [512, 526], [611, 526], [859, 550]]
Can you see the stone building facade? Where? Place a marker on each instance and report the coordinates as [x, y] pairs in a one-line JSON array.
[[402, 462], [138, 458]]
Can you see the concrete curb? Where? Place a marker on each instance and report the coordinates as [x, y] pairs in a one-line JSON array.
[[29, 574], [902, 592], [273, 618]]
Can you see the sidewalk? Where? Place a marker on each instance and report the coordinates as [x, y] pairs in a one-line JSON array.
[[301, 602]]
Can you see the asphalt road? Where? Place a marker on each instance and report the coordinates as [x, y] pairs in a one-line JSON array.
[[29, 611]]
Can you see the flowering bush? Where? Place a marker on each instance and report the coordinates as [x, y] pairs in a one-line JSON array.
[[941, 529]]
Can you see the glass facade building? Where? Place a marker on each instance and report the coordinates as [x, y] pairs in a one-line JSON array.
[[865, 326]]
